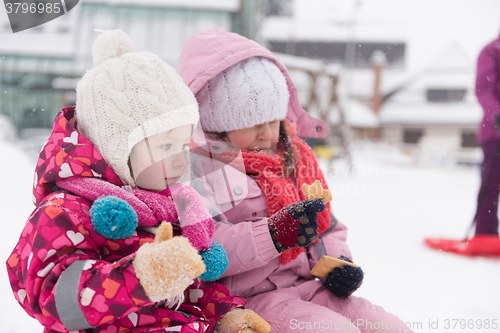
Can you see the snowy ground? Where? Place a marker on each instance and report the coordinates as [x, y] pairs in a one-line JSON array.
[[389, 207]]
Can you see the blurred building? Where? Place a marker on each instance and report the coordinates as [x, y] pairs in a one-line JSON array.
[[435, 109], [39, 67], [432, 109], [339, 86]]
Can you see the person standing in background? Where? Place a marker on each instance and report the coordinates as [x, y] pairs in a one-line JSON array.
[[486, 240]]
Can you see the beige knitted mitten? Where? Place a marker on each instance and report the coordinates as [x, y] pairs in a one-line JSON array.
[[242, 321], [167, 266]]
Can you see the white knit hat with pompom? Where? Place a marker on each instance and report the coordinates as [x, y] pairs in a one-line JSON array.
[[127, 97]]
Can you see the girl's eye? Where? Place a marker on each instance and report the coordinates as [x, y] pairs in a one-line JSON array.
[[185, 146], [166, 146]]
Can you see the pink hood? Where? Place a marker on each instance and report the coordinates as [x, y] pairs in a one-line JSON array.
[[208, 53]]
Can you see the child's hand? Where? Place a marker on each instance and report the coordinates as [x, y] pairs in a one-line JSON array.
[[344, 280], [296, 225], [242, 320], [167, 266]]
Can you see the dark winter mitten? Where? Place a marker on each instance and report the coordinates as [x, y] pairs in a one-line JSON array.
[[344, 280], [296, 225]]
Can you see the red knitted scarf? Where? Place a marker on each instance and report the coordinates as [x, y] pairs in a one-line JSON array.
[[280, 191]]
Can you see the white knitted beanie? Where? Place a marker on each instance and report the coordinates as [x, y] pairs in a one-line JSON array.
[[127, 97], [252, 92]]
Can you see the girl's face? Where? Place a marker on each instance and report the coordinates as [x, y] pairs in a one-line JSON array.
[[263, 137], [160, 160]]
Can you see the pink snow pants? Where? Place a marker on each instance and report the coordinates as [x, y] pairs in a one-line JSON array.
[[310, 308]]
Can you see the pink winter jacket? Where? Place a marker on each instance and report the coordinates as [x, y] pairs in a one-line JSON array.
[[254, 265], [242, 229], [71, 278]]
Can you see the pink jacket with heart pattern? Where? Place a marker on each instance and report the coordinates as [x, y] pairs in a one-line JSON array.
[[69, 277]]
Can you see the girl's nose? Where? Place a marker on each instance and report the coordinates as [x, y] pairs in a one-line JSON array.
[[179, 161], [265, 132]]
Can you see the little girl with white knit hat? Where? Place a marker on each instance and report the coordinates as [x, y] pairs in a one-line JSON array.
[[98, 254]]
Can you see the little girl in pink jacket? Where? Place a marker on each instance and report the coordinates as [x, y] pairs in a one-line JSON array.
[[251, 170], [110, 173]]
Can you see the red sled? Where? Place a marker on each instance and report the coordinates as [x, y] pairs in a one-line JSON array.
[[479, 245]]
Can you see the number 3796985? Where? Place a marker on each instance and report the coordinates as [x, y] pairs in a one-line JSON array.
[[34, 7]]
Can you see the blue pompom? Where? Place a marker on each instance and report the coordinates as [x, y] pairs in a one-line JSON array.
[[113, 217], [216, 262]]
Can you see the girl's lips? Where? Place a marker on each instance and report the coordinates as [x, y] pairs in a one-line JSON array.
[[267, 150], [172, 180], [261, 148]]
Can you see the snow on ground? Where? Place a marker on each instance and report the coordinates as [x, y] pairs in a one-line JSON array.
[[389, 205], [389, 208]]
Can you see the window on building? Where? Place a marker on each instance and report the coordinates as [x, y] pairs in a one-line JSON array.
[[445, 95], [338, 51], [469, 140], [412, 135], [278, 8]]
